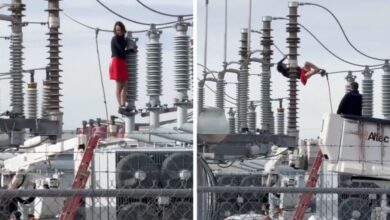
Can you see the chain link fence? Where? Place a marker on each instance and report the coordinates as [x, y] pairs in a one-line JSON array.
[[265, 203]]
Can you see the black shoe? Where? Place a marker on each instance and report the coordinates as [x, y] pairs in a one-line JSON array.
[[124, 111], [322, 72]]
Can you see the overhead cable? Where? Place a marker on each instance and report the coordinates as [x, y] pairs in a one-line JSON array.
[[162, 13], [345, 35]]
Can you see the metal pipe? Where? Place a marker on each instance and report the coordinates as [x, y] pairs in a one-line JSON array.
[[182, 71], [367, 92], [293, 41], [266, 105], [154, 75], [386, 90]]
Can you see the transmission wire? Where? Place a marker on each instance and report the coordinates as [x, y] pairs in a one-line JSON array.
[[162, 13]]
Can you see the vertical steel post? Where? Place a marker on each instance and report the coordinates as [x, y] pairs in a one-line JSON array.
[[293, 41]]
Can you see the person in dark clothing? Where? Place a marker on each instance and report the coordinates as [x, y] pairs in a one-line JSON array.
[[304, 73], [351, 104], [118, 68]]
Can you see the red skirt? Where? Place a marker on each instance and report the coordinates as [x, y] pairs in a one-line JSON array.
[[303, 77], [118, 69]]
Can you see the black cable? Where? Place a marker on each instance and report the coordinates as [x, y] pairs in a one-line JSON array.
[[212, 90], [327, 49], [345, 35], [134, 21], [277, 48], [352, 71], [162, 13], [84, 25]]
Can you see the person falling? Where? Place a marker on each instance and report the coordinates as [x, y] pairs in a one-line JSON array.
[[304, 73]]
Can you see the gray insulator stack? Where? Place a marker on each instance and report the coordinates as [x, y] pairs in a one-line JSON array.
[[191, 64], [182, 71], [219, 97], [266, 105], [45, 98], [386, 90], [52, 97], [367, 93], [132, 69], [16, 60], [280, 120], [272, 127], [293, 41], [154, 75], [243, 83], [154, 64], [252, 117], [200, 97], [32, 100], [350, 79], [232, 121]]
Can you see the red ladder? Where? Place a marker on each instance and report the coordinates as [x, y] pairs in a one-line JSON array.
[[73, 203], [305, 199]]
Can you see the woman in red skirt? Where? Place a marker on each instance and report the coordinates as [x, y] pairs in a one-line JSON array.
[[118, 68], [304, 73]]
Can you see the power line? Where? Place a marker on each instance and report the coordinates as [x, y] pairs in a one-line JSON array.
[[277, 48], [327, 49], [106, 30], [212, 90], [134, 21], [162, 13], [345, 35]]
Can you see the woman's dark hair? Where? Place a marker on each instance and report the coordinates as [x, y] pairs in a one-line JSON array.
[[120, 24]]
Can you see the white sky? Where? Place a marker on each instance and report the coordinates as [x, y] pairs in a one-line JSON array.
[[366, 24], [81, 89]]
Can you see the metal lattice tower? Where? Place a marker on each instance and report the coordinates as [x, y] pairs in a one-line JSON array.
[[132, 85], [293, 41], [32, 98], [367, 92], [386, 90], [232, 121], [154, 73], [266, 105], [280, 118], [52, 97], [243, 83], [16, 60], [219, 97], [252, 117], [182, 71], [350, 79], [200, 97]]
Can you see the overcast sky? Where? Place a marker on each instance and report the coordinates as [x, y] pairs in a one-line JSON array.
[[81, 89], [365, 22]]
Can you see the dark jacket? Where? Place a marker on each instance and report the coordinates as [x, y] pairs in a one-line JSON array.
[[119, 47], [284, 70], [351, 104]]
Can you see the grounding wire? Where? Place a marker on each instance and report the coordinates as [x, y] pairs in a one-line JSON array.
[[342, 29], [327, 49], [137, 22], [101, 73], [162, 13]]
